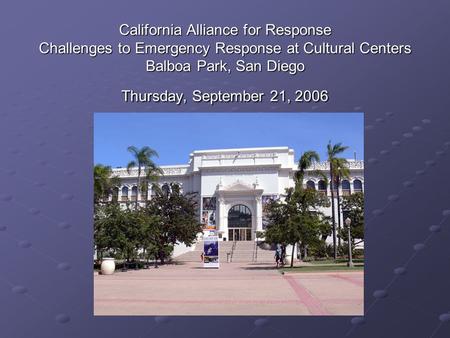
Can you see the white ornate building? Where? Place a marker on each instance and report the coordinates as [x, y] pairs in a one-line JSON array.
[[233, 185]]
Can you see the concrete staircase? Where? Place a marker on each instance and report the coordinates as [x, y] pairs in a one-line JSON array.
[[194, 255], [191, 256], [243, 252], [265, 255]]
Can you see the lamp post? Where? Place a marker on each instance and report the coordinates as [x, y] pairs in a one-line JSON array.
[[255, 255], [348, 222]]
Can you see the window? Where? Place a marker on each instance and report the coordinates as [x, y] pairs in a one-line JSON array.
[[124, 194], [322, 186], [357, 186], [145, 192], [152, 191], [345, 188], [165, 189], [310, 185], [334, 185], [134, 193], [239, 216]]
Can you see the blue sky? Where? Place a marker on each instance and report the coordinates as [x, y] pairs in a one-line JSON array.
[[175, 135]]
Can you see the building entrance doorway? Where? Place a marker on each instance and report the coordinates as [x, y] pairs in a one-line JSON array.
[[240, 223], [236, 234]]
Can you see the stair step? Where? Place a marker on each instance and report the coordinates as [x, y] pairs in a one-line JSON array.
[[243, 252]]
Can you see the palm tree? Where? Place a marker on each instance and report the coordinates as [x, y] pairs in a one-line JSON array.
[[151, 175], [143, 161], [104, 182], [341, 171], [305, 161], [332, 152]]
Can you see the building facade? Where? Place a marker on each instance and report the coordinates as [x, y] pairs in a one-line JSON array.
[[234, 185]]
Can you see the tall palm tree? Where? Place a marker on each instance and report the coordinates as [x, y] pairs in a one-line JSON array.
[[104, 182], [305, 161], [151, 175], [332, 151], [341, 171], [143, 161]]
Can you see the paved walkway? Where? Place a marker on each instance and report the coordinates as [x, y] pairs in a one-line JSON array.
[[234, 289]]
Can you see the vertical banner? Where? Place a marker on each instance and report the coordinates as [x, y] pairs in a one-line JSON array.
[[209, 213], [211, 252]]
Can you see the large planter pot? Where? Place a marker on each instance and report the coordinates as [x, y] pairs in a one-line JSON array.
[[287, 260], [108, 266]]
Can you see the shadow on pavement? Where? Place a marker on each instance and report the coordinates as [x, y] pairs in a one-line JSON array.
[[261, 267]]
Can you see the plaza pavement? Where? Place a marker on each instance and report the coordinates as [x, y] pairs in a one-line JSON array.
[[234, 289]]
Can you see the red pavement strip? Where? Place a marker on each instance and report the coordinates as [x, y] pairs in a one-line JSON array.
[[194, 301], [350, 280], [221, 301], [105, 278], [313, 305]]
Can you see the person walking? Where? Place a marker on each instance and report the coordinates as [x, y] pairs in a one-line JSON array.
[[278, 255]]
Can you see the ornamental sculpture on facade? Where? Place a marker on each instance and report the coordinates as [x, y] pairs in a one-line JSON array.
[[238, 155], [358, 164], [123, 172]]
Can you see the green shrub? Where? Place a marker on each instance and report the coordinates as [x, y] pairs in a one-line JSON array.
[[358, 253]]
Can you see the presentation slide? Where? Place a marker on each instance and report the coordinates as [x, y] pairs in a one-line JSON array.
[[247, 169]]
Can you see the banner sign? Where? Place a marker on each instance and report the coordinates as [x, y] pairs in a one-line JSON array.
[[209, 203], [209, 220], [211, 252], [209, 213]]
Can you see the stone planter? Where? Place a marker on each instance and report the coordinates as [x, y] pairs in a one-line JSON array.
[[287, 260], [108, 266]]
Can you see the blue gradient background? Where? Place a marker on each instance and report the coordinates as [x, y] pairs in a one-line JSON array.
[[46, 159]]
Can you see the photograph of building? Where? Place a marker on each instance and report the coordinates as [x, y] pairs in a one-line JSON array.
[[233, 184], [228, 214]]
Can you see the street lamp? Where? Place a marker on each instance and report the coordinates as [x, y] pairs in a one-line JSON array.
[[348, 222]]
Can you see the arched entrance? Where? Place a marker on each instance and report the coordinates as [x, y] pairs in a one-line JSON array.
[[239, 223]]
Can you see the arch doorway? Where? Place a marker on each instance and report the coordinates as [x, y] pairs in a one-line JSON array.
[[239, 223]]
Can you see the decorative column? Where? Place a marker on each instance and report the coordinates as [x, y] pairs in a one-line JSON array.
[[258, 213], [220, 219], [130, 188], [139, 194], [119, 194]]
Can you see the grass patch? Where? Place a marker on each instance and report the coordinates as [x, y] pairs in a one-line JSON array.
[[338, 261], [322, 268]]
